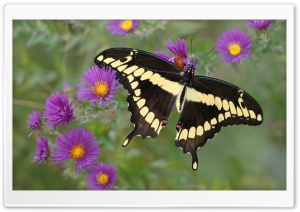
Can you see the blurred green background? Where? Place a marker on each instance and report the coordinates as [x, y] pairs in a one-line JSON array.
[[48, 53]]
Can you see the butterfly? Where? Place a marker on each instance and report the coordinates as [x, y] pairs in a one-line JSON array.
[[155, 85]]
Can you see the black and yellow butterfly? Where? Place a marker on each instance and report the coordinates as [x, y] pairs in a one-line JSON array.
[[155, 85]]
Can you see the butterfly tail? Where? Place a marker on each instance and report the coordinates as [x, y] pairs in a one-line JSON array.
[[128, 138], [194, 160]]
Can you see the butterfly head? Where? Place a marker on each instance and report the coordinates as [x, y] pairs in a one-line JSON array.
[[190, 68]]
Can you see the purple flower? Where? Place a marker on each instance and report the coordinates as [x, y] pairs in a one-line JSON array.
[[180, 51], [122, 27], [101, 84], [233, 45], [42, 150], [101, 176], [79, 145], [34, 121], [58, 110], [258, 24]]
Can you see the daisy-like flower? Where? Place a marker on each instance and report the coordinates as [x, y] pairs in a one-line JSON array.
[[180, 51], [122, 27], [101, 84], [233, 45], [78, 145], [42, 150], [34, 121], [258, 24], [101, 176], [58, 110]]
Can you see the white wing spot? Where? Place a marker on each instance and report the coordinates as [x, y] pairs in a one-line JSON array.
[[118, 62], [100, 58], [183, 134], [121, 68], [149, 118], [134, 85], [135, 98], [259, 118], [232, 107], [192, 132], [227, 115], [155, 124], [144, 111], [195, 165], [225, 105], [239, 111], [146, 75], [218, 102], [137, 92], [130, 78], [141, 103], [109, 60], [199, 130], [207, 126], [221, 117], [252, 114], [139, 72], [213, 121], [130, 69]]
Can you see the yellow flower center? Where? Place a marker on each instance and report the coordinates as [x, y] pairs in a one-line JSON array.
[[100, 89], [234, 49], [179, 62], [102, 178], [77, 152], [127, 25]]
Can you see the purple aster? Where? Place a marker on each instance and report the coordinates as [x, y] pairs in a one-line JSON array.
[[79, 145], [42, 150], [258, 24], [180, 51], [58, 110], [122, 27], [101, 84], [101, 176], [34, 121], [233, 45]]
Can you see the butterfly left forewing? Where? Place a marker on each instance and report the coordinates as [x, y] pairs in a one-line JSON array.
[[152, 84]]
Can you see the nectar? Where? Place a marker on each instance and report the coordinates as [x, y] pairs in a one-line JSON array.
[[102, 178], [234, 49], [126, 25], [100, 89], [77, 152]]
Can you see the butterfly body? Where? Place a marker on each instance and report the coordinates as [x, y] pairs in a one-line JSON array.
[[155, 85]]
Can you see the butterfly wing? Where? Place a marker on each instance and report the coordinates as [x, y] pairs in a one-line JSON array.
[[152, 83], [210, 104]]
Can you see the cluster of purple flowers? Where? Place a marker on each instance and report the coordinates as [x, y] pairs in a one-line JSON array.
[[78, 145], [233, 46]]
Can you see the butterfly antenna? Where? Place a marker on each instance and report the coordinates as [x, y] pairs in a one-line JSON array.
[[204, 56], [192, 48]]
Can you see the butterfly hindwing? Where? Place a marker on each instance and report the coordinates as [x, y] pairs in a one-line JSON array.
[[209, 105]]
